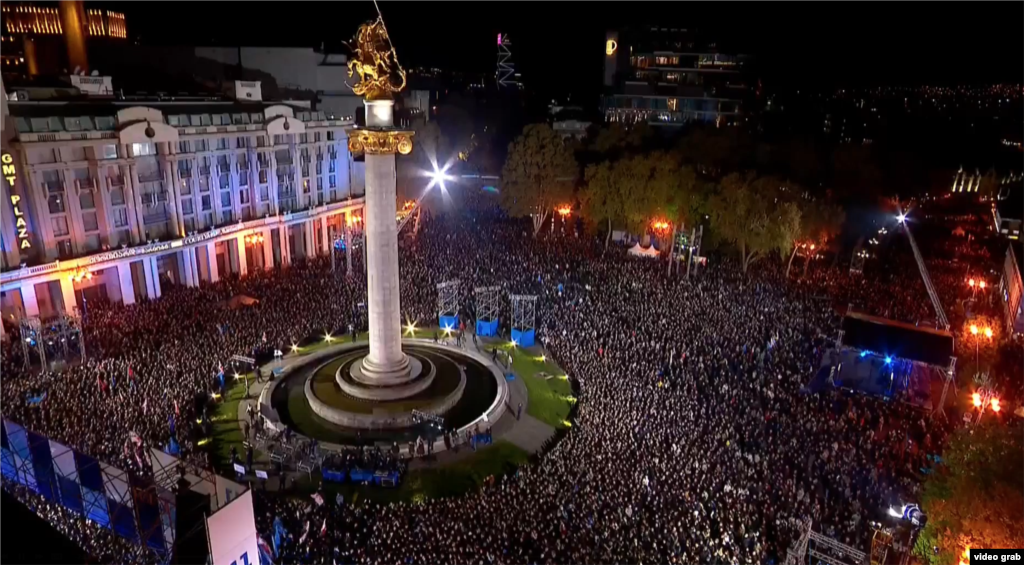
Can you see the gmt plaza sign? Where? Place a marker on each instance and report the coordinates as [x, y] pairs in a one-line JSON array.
[[11, 174]]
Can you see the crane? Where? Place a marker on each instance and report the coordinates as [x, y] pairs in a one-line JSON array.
[[925, 277]]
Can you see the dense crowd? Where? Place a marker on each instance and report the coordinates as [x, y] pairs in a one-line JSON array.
[[693, 440]]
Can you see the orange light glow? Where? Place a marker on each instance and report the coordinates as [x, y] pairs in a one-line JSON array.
[[565, 211], [995, 405], [812, 247], [976, 398], [988, 333], [974, 329], [660, 226], [970, 282], [965, 557], [982, 284]]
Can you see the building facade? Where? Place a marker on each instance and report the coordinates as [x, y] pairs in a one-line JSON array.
[[1011, 288], [669, 77], [113, 199]]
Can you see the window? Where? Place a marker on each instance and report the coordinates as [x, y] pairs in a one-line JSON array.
[[334, 183], [190, 225], [117, 197], [183, 146], [263, 176], [243, 197], [303, 137], [206, 203], [222, 143], [64, 250], [139, 149], [332, 166], [186, 207], [120, 217], [92, 242], [108, 152], [243, 178], [86, 200], [89, 221], [105, 123], [673, 104], [241, 142], [60, 226], [225, 180], [74, 154], [305, 186], [186, 187], [55, 203], [73, 124], [316, 137], [264, 194], [225, 199], [261, 141], [202, 145], [330, 135]]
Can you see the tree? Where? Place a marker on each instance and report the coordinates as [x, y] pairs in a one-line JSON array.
[[754, 214], [974, 498], [538, 174], [820, 222], [600, 198]]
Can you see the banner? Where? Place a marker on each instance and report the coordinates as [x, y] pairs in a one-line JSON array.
[[232, 532]]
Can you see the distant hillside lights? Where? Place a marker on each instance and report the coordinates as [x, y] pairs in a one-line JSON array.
[[11, 174]]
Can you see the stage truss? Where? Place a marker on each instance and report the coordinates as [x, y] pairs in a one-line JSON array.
[[59, 339], [488, 302], [813, 547], [448, 298], [524, 311]]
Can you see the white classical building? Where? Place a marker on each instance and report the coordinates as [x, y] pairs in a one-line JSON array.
[[114, 199]]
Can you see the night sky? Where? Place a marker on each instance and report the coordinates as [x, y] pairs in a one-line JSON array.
[[558, 47]]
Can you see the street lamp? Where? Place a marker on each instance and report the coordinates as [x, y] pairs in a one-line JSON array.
[[987, 332]]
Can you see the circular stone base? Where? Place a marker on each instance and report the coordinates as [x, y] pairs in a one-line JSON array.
[[358, 387], [393, 374], [384, 416]]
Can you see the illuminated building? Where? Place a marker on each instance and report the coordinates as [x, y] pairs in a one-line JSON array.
[[47, 39], [506, 75], [669, 77], [1008, 208], [1011, 288], [145, 193]]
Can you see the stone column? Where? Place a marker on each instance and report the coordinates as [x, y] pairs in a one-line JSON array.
[[124, 277], [67, 293], [152, 271], [326, 244], [211, 261], [386, 362], [185, 262], [28, 299], [243, 266]]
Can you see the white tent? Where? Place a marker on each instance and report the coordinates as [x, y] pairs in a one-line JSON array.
[[638, 251]]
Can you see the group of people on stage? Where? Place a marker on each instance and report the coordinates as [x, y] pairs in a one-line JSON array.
[[691, 442]]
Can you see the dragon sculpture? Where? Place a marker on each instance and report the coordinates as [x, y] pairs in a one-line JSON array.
[[374, 60]]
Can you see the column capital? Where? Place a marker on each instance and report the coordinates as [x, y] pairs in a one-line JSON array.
[[380, 141]]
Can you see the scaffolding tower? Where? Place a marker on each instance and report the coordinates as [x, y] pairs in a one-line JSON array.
[[524, 319], [488, 309], [448, 304], [506, 72], [822, 549], [56, 340]]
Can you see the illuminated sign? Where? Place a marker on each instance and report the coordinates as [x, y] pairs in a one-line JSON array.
[[610, 46], [11, 174]]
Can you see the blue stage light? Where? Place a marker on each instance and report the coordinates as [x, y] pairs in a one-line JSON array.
[[888, 360], [863, 353]]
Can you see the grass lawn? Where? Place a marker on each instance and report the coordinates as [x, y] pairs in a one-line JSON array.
[[227, 430], [418, 485], [548, 397]]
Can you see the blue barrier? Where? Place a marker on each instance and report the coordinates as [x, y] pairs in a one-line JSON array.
[[333, 476], [485, 328], [449, 322], [360, 476], [523, 338]]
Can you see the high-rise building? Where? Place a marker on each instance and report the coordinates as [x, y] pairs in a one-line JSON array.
[[113, 197], [671, 77]]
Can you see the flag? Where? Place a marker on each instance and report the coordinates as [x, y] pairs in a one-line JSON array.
[[279, 534], [319, 499], [323, 529], [265, 551], [131, 375], [170, 422]]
